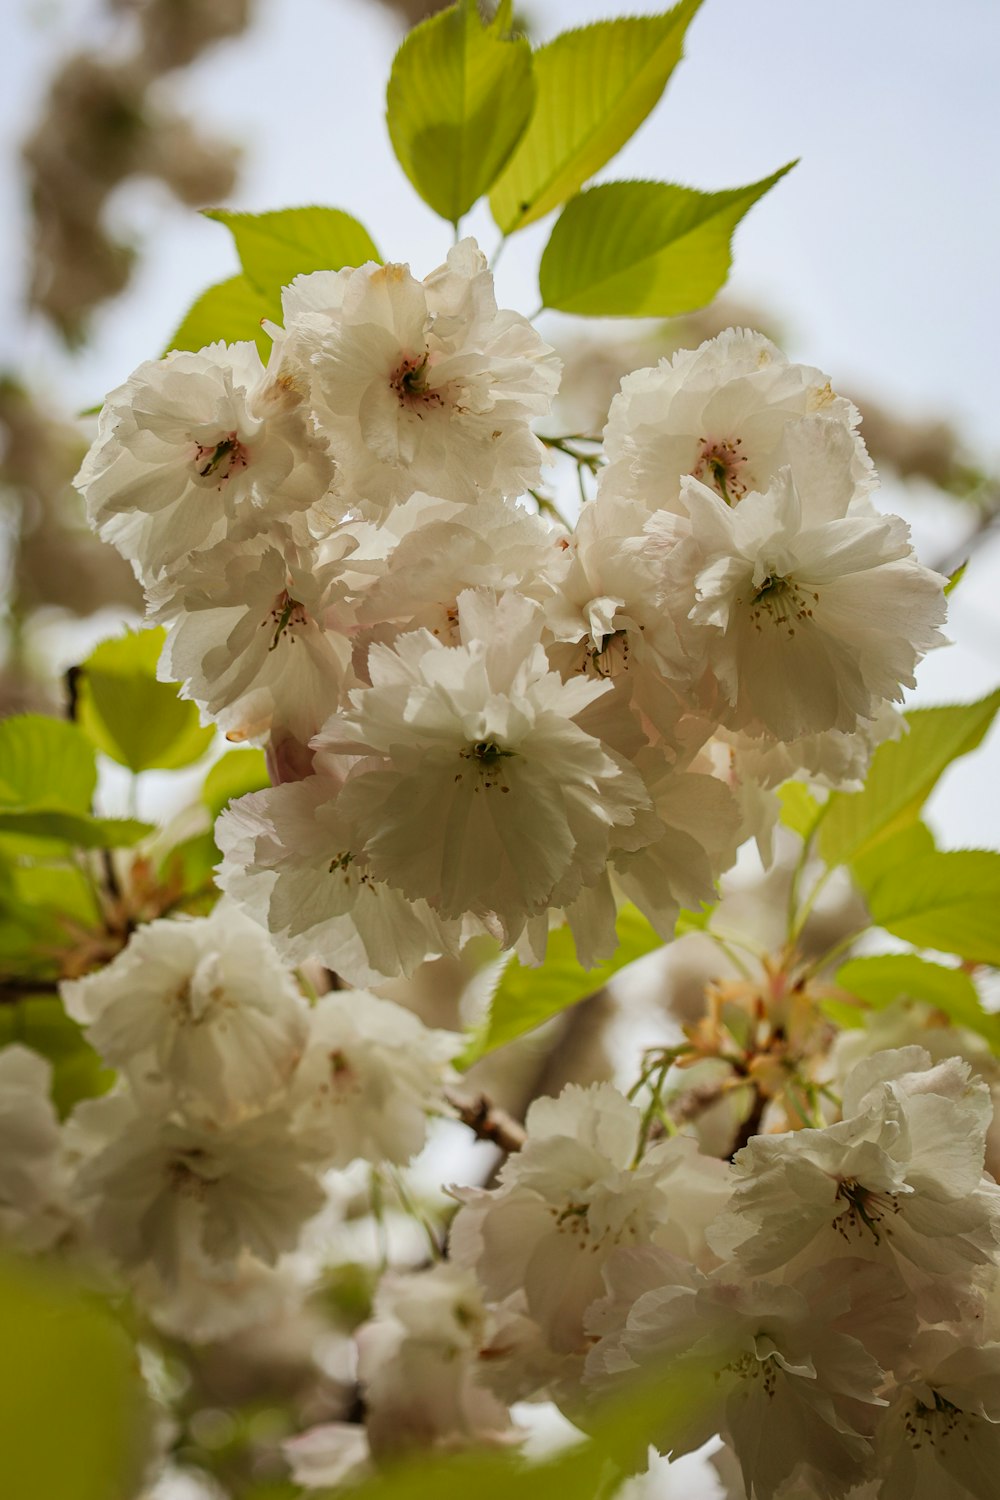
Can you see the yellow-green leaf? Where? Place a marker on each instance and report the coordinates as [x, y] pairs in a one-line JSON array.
[[277, 246], [460, 95], [902, 775], [45, 764], [526, 996], [232, 311], [643, 249], [595, 86], [800, 810], [135, 719], [886, 977], [234, 775], [948, 901], [41, 1023], [71, 1403]]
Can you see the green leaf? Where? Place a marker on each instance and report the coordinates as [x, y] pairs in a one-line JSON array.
[[911, 842], [43, 907], [643, 249], [276, 247], [70, 1392], [902, 776], [41, 1023], [460, 95], [234, 775], [525, 996], [800, 810], [45, 764], [948, 901], [954, 579], [231, 310], [595, 87], [79, 829], [887, 977], [133, 718]]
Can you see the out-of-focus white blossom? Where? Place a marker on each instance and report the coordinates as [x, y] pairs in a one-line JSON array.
[[32, 1212], [153, 1186], [200, 1007], [417, 1363], [788, 1390], [370, 1074]]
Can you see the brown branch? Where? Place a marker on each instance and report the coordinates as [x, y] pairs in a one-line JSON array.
[[13, 990], [488, 1122], [751, 1125]]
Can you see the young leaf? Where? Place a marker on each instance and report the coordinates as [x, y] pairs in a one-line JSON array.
[[595, 86], [231, 310], [902, 776], [948, 901], [887, 977], [276, 247], [45, 765], [79, 829], [643, 249], [525, 996], [70, 1391], [133, 718], [233, 775], [41, 1023], [800, 810], [954, 579], [911, 842], [460, 95]]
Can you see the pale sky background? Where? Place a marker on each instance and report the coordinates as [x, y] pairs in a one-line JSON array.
[[877, 255]]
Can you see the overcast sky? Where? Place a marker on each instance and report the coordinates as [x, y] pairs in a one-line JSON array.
[[877, 255]]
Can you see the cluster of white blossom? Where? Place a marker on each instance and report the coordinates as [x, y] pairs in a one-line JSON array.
[[234, 1096], [477, 719], [833, 1294], [480, 720]]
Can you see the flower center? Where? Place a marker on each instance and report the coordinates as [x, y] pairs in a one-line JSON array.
[[719, 464], [486, 756], [864, 1212], [286, 613], [217, 462], [409, 381], [782, 602]]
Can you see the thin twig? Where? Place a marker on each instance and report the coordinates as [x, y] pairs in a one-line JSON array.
[[487, 1121]]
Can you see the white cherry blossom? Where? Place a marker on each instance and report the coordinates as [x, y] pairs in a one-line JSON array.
[[417, 1364], [808, 627], [153, 1185], [370, 1074], [479, 792], [786, 1388], [32, 1211], [419, 385], [731, 413], [201, 1007], [197, 447], [258, 635], [297, 866], [571, 1196]]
